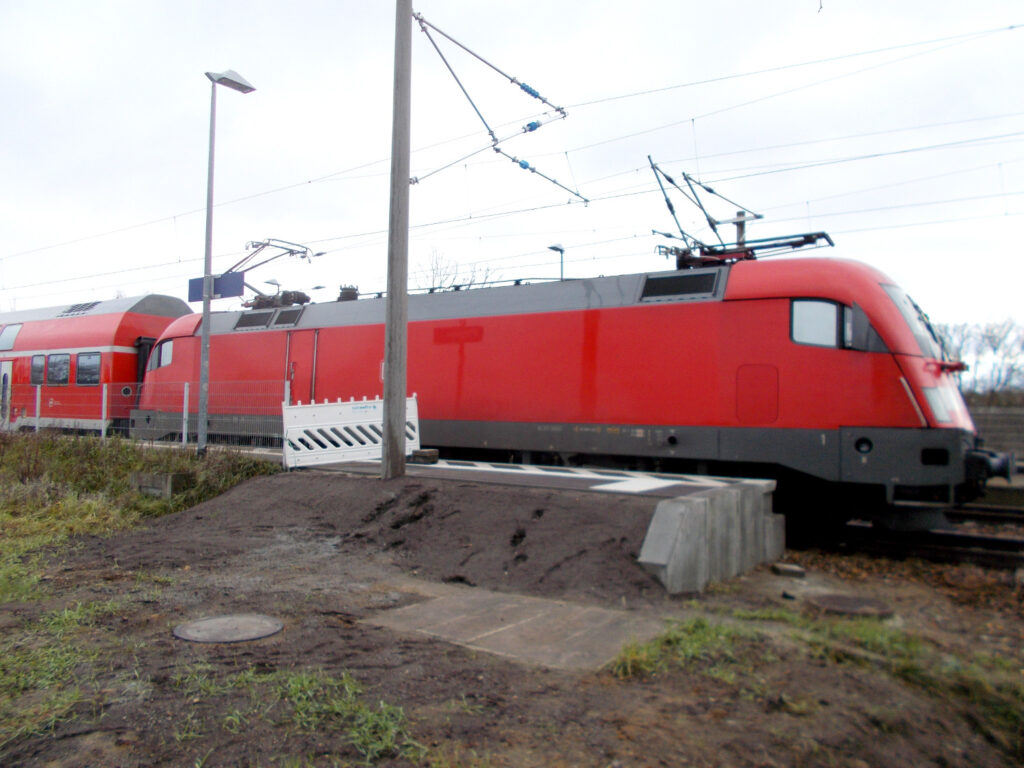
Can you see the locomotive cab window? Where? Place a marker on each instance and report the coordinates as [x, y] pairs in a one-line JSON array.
[[816, 322], [161, 355], [58, 369], [87, 369], [823, 323], [38, 373], [8, 335]]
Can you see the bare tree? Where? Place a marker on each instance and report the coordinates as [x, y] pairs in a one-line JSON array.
[[958, 343], [994, 353], [442, 274], [1003, 346]]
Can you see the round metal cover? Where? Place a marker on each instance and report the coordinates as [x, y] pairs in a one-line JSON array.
[[228, 629], [850, 605]]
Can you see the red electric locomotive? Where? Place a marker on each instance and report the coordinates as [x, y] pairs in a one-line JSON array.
[[813, 366], [78, 367]]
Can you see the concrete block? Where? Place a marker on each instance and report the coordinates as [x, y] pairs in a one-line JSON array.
[[751, 528], [675, 547], [162, 484], [713, 535], [774, 537]]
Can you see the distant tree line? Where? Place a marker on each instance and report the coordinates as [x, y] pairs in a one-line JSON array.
[[994, 354]]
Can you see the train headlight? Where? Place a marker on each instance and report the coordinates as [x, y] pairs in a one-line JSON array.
[[937, 403], [863, 445]]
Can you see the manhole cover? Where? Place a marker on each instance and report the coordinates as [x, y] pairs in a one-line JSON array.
[[850, 605], [228, 629]]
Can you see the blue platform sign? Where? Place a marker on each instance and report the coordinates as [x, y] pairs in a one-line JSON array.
[[224, 286]]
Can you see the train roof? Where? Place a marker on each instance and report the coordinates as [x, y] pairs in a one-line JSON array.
[[556, 296], [842, 280], [839, 279], [149, 304]]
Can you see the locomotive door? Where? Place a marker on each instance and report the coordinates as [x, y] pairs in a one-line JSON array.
[[300, 367], [5, 395]]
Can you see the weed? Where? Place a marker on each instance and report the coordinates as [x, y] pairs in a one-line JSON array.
[[379, 732], [455, 757], [462, 704], [234, 721], [985, 690], [188, 729], [43, 671], [716, 646], [306, 701], [68, 620]]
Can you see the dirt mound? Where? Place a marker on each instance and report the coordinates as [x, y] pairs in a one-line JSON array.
[[320, 551]]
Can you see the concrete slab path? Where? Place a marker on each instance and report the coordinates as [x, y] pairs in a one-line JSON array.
[[548, 633]]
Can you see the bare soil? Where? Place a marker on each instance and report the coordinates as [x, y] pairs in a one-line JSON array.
[[320, 551]]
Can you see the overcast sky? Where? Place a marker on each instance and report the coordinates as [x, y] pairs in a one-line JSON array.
[[894, 125]]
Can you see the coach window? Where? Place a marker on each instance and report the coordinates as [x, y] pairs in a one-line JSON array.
[[87, 370], [815, 322], [161, 355], [58, 368], [38, 373], [8, 335]]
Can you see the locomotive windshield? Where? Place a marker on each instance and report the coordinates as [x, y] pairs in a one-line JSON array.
[[918, 321]]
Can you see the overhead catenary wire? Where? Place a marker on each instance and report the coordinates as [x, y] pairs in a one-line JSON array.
[[522, 86], [523, 211], [528, 128], [796, 65], [335, 174]]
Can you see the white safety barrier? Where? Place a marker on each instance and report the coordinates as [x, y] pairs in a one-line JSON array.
[[327, 433]]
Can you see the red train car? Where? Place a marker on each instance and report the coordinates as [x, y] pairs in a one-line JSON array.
[[814, 366], [78, 367]]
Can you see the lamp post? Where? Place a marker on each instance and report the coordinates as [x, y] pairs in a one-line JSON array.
[[235, 82], [561, 259]]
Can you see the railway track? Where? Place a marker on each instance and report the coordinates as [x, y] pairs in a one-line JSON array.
[[986, 550], [987, 514]]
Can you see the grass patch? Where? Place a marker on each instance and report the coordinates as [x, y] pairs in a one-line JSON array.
[[303, 701], [711, 649], [51, 489], [54, 487], [46, 671], [986, 688]]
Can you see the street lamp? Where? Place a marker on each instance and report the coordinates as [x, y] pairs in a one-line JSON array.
[[235, 82], [561, 259]]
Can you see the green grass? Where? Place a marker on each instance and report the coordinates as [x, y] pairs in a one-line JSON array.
[[302, 701], [45, 672], [53, 488], [986, 688], [696, 644]]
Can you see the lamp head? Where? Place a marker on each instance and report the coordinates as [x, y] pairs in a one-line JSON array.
[[232, 80]]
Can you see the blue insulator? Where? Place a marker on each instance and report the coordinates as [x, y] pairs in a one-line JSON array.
[[524, 165], [529, 90], [532, 126]]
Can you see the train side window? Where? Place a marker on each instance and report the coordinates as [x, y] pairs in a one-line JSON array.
[[8, 335], [38, 373], [58, 369], [815, 322], [161, 355], [87, 369]]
